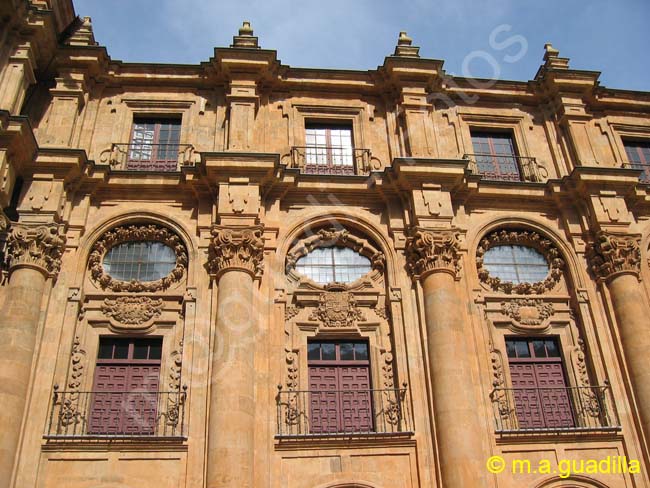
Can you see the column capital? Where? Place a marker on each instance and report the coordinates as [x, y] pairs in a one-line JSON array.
[[429, 251], [610, 255], [240, 248], [36, 246]]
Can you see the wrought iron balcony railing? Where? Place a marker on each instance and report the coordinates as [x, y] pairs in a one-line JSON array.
[[503, 167], [116, 415], [148, 157], [645, 175], [569, 409], [332, 160], [342, 412]]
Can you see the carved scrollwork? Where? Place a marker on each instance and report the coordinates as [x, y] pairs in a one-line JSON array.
[[523, 238], [132, 233], [428, 251], [69, 413], [335, 237], [40, 246], [337, 308], [292, 414], [132, 312], [589, 401], [174, 402], [610, 254], [498, 394], [530, 313], [239, 248]]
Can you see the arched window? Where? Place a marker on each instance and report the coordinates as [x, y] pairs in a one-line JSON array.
[[517, 264], [140, 261], [333, 265]]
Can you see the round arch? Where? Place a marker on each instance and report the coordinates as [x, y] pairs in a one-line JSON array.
[[574, 273], [346, 220], [86, 242], [348, 484]]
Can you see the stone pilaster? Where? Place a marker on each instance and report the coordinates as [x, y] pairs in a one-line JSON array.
[[433, 258], [236, 256], [615, 259], [34, 254]]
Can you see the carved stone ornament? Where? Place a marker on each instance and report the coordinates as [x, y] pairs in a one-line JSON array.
[[133, 312], [610, 254], [335, 237], [528, 312], [522, 238], [39, 246], [133, 233], [337, 308], [236, 248], [428, 251], [4, 222]]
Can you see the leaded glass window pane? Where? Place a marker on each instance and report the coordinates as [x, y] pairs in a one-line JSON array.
[[140, 261], [333, 264], [517, 264]]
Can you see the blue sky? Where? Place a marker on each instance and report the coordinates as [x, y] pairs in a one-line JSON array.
[[482, 38]]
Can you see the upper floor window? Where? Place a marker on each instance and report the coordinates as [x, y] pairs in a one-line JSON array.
[[333, 264], [638, 155], [329, 149], [140, 261], [495, 155], [516, 264], [154, 144]]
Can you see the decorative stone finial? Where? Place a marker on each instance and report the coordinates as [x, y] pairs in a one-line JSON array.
[[552, 58], [245, 39], [36, 246], [428, 251], [404, 47], [83, 33], [239, 248], [610, 255]]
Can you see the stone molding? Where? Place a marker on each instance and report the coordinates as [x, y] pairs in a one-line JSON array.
[[236, 248], [133, 233], [609, 255], [36, 246], [524, 238], [429, 251]]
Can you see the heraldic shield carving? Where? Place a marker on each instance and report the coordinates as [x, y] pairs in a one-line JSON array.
[[337, 308]]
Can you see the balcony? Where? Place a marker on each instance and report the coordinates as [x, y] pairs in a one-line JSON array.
[[584, 409], [149, 158], [505, 167], [111, 415], [332, 160], [342, 413], [645, 168]]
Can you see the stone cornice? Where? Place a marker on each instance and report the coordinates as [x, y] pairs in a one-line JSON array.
[[236, 248], [610, 255], [36, 246], [429, 251]]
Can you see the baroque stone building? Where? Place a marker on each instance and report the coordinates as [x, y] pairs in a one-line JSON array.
[[244, 274]]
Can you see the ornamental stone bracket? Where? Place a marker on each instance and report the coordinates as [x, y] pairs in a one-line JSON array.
[[428, 251], [610, 255], [36, 246], [236, 248]]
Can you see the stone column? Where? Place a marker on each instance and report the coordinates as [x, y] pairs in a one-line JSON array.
[[433, 258], [236, 256], [34, 255], [616, 260]]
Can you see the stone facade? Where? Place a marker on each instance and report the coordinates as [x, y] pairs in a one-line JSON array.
[[240, 204]]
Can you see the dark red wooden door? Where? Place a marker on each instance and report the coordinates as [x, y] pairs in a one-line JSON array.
[[125, 390], [541, 395], [340, 390]]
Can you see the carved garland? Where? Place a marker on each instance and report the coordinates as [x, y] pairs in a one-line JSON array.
[[524, 238], [133, 233], [335, 237]]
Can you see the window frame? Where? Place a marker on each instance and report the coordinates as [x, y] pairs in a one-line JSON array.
[[644, 166], [333, 265], [154, 162]]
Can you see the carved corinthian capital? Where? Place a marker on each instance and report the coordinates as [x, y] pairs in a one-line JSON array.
[[429, 251], [239, 248], [611, 254], [38, 246]]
